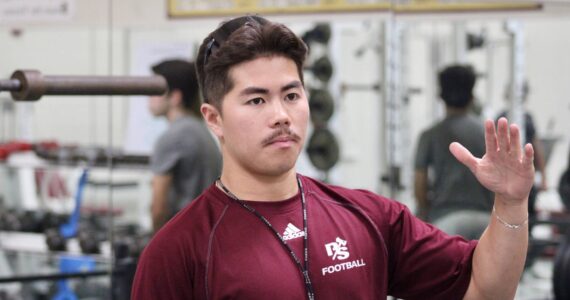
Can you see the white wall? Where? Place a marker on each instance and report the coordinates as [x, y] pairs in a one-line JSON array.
[[82, 46], [547, 67]]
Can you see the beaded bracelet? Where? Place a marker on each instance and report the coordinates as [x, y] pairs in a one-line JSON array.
[[508, 225]]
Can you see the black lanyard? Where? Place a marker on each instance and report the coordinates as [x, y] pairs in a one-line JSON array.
[[304, 270]]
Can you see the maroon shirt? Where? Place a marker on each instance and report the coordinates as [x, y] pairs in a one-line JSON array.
[[361, 246]]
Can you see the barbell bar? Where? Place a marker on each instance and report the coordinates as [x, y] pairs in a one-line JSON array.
[[31, 85]]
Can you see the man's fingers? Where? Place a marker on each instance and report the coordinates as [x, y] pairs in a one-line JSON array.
[[515, 141], [528, 155], [463, 155], [503, 135], [490, 137]]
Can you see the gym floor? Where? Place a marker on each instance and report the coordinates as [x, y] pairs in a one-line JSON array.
[[536, 282]]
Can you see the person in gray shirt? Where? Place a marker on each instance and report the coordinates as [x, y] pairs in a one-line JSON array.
[[186, 158], [451, 197]]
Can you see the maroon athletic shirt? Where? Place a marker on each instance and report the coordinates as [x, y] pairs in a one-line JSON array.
[[361, 246]]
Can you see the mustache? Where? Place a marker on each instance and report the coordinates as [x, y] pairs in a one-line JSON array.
[[279, 133]]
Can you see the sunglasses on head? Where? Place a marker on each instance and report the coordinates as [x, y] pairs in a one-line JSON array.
[[221, 34]]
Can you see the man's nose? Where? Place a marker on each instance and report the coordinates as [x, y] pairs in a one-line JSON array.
[[280, 114]]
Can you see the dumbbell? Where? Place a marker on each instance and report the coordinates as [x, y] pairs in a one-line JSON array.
[[10, 221], [31, 221], [54, 239], [91, 233], [53, 220], [90, 240]]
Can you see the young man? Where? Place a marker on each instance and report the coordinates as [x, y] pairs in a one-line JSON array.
[[265, 232], [458, 203], [186, 159]]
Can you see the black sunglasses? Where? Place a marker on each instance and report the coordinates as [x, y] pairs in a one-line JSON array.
[[221, 34]]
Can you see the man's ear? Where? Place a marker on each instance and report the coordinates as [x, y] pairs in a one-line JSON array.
[[175, 97], [213, 118]]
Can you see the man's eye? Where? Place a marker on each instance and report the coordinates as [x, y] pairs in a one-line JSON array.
[[255, 101], [292, 96]]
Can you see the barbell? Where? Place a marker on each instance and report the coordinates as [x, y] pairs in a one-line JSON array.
[[31, 85]]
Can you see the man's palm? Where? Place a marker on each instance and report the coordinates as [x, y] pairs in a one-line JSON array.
[[505, 169]]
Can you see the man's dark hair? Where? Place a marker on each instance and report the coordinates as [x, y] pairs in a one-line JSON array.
[[181, 75], [239, 40], [456, 84]]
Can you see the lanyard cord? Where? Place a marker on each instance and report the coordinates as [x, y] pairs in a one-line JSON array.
[[304, 270]]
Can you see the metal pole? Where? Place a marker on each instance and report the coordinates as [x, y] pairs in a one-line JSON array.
[[516, 110], [459, 42], [392, 104]]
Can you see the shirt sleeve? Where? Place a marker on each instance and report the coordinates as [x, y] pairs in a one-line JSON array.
[[165, 156], [162, 272], [424, 262]]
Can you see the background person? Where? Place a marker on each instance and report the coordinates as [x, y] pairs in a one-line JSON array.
[[186, 159], [448, 194]]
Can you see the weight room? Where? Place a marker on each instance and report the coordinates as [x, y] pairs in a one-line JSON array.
[[77, 136]]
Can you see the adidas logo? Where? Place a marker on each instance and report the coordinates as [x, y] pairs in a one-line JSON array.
[[292, 232]]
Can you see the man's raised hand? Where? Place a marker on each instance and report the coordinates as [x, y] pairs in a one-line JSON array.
[[505, 169]]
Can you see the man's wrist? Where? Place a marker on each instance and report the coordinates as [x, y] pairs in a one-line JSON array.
[[511, 213]]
